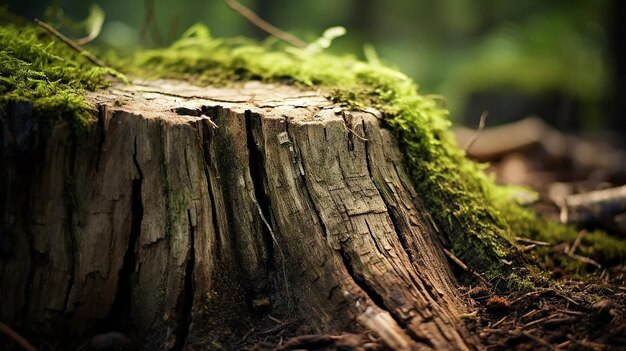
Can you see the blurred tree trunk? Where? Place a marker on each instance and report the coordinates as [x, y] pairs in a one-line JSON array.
[[617, 38]]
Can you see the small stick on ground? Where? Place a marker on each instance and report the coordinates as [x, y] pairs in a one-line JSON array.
[[275, 329], [570, 252], [530, 241], [538, 340], [566, 297], [576, 243], [245, 337], [498, 323], [17, 338], [595, 205], [264, 25], [586, 260], [275, 319], [481, 126], [464, 267], [70, 43], [587, 343]]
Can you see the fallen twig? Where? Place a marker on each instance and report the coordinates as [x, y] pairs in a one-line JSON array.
[[17, 338], [530, 241], [275, 329], [593, 205], [498, 323], [464, 267], [587, 343], [70, 43], [264, 25], [576, 243], [246, 335], [538, 340], [495, 142], [573, 313], [557, 321], [275, 319], [586, 260], [536, 321], [566, 297]]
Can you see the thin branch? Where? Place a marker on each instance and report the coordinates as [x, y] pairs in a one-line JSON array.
[[264, 25], [463, 266], [70, 43], [576, 243], [587, 260], [481, 126], [592, 206], [539, 340], [530, 241], [17, 338]]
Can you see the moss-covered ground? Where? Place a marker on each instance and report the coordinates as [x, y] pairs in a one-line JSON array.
[[47, 73], [480, 218]]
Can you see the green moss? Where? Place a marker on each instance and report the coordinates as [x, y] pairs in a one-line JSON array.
[[36, 68]]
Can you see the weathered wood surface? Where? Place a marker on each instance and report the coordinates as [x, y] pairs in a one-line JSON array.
[[155, 223]]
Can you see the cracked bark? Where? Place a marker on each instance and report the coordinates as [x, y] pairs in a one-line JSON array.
[[182, 233]]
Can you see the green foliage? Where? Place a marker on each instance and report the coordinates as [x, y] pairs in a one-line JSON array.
[[52, 77], [325, 40], [94, 23], [549, 52]]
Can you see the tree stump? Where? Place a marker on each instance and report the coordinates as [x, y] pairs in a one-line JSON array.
[[183, 213]]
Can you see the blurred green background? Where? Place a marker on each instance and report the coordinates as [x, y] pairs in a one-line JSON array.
[[562, 59]]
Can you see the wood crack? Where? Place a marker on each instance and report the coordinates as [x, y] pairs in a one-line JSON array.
[[205, 130], [121, 307], [304, 183], [70, 205], [188, 289]]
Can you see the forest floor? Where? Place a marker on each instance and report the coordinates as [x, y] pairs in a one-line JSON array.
[[584, 308]]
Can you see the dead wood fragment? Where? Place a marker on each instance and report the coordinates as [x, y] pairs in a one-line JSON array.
[[17, 338], [587, 344], [345, 341], [538, 340], [579, 238], [463, 266], [496, 142], [276, 328], [530, 241], [593, 206], [498, 323]]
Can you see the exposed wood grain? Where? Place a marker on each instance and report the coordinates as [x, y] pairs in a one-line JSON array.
[[156, 223]]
